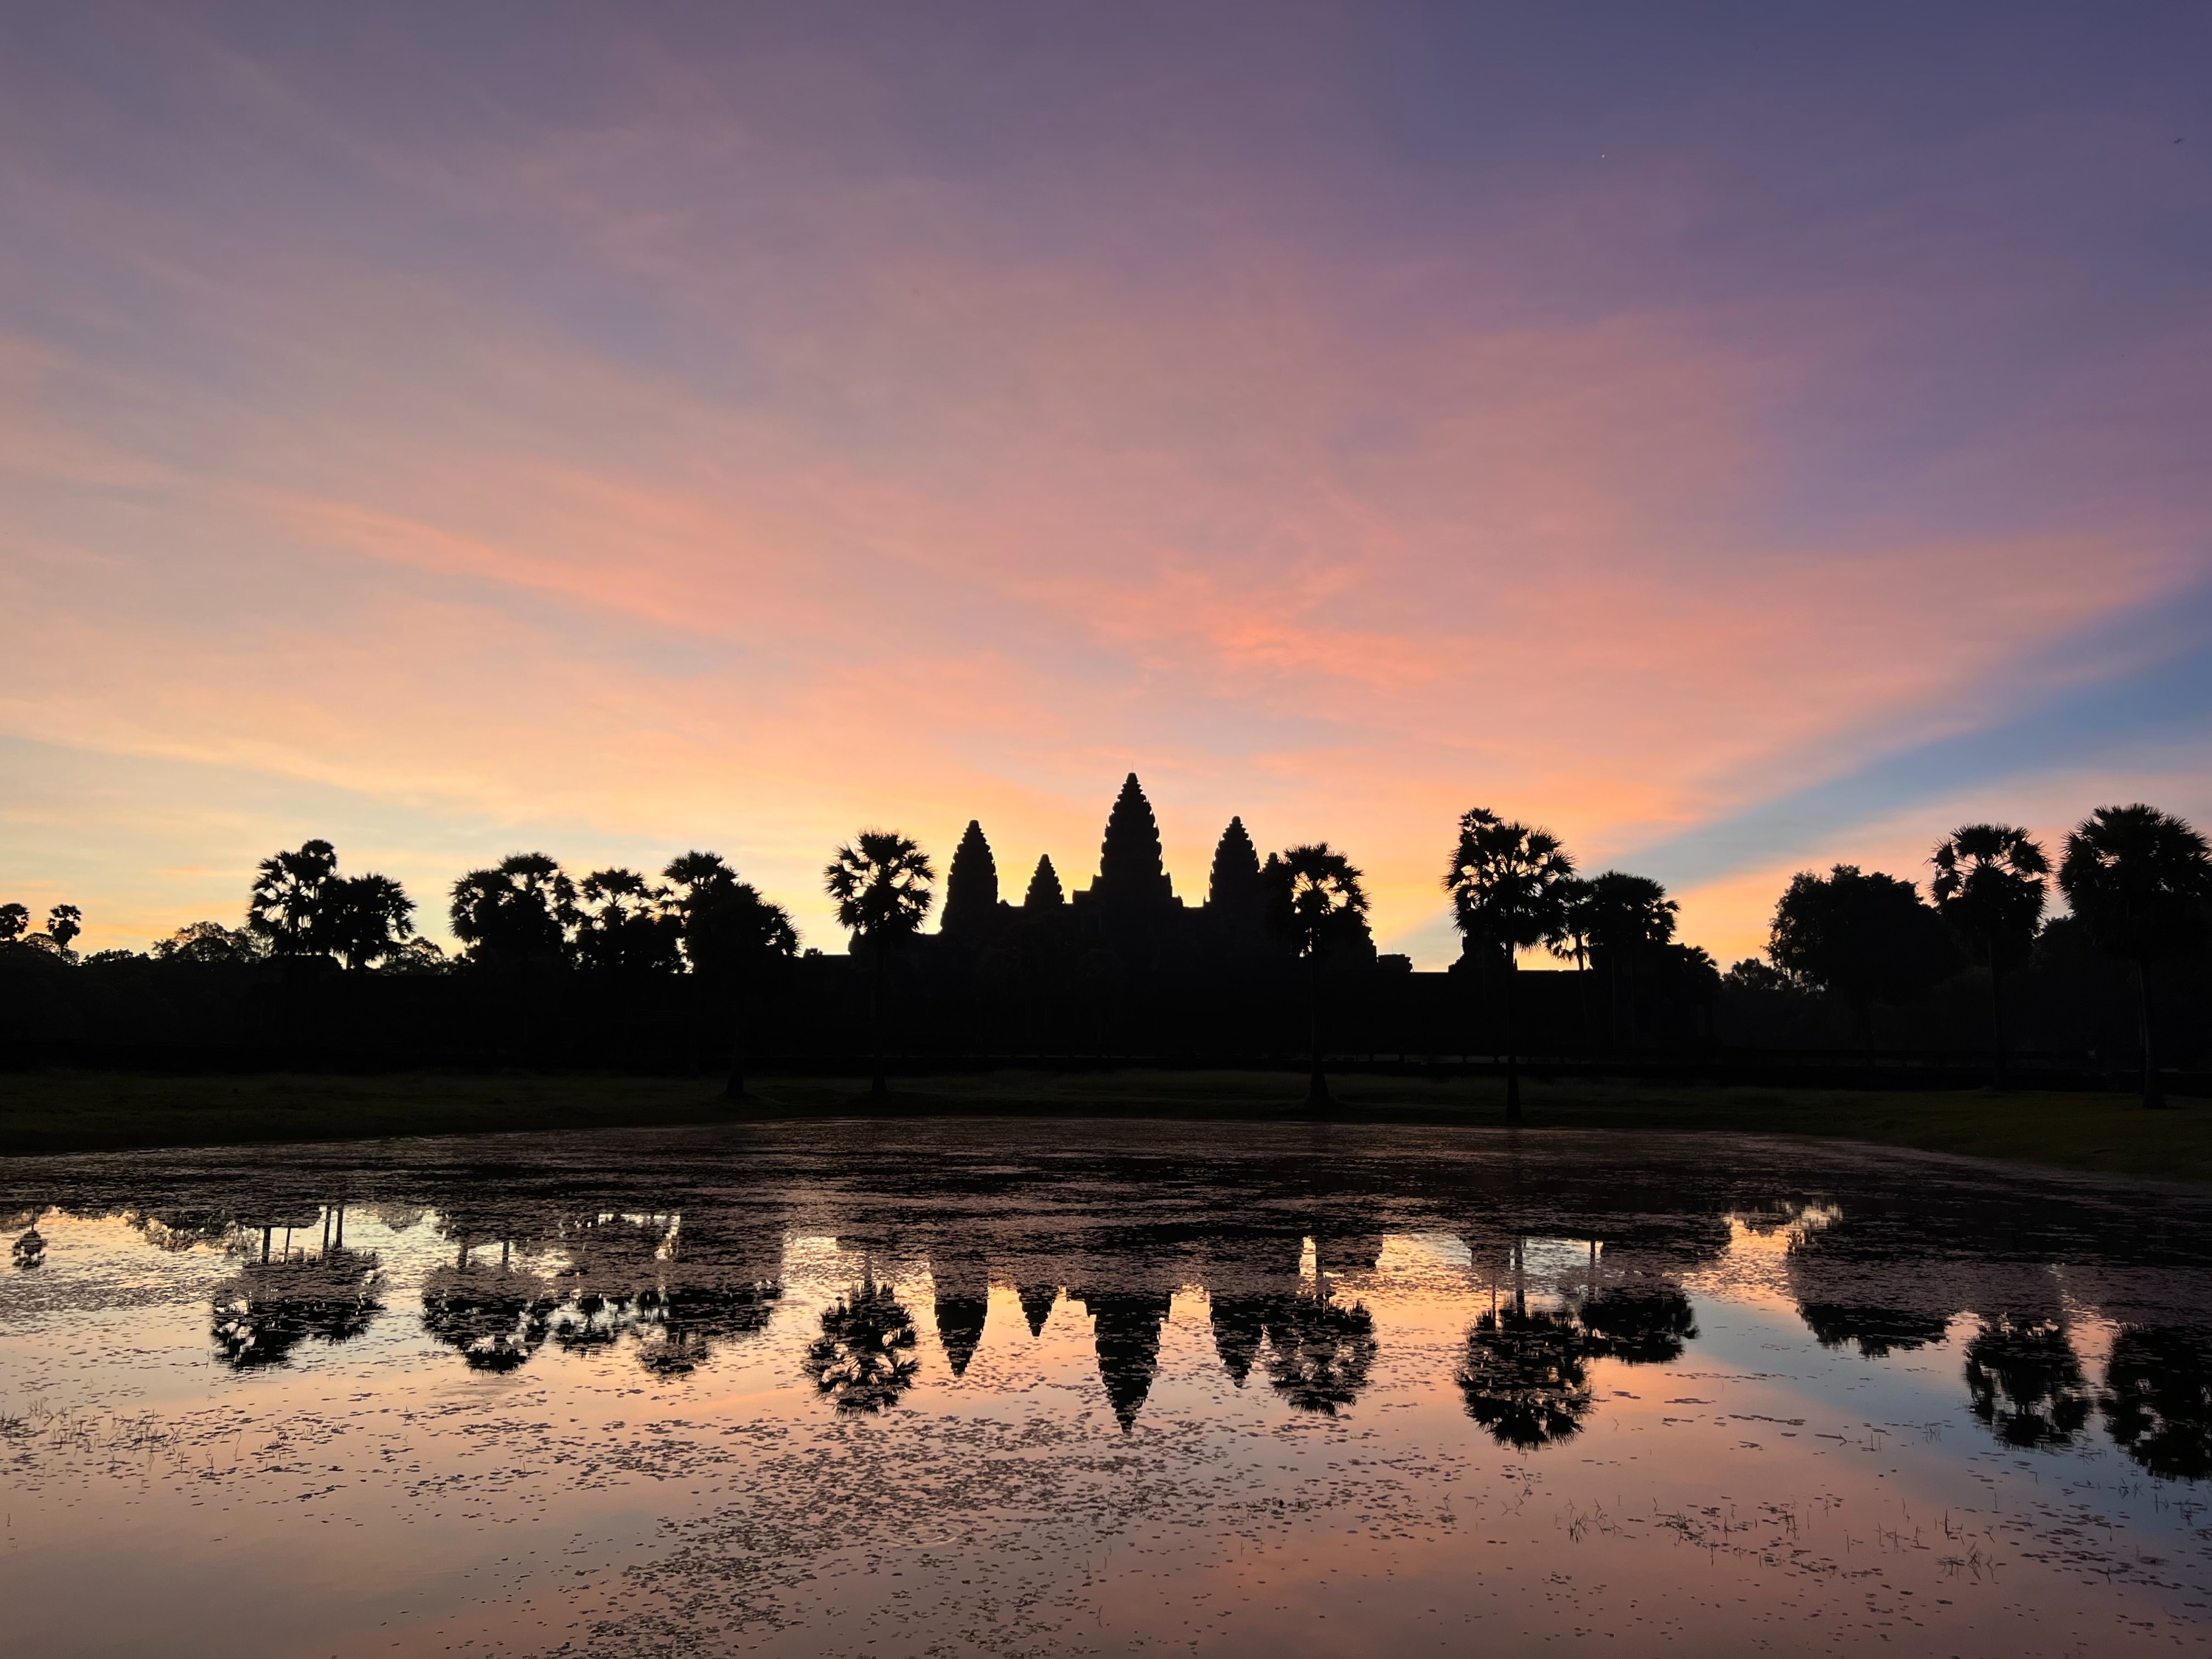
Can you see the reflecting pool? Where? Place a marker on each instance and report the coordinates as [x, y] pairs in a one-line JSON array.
[[1024, 1388]]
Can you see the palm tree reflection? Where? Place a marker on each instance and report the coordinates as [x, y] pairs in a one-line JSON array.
[[30, 1248], [863, 1359], [1320, 1351], [2024, 1380], [1525, 1378]]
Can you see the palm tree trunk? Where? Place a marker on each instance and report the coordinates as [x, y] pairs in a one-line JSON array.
[[1997, 1024], [1512, 1063], [735, 1088], [2152, 1095], [1316, 1085], [879, 1086]]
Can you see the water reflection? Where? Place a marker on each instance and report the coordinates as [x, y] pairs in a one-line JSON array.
[[1126, 1334], [864, 1359], [2158, 1399], [1251, 1366], [2025, 1381], [269, 1308], [1525, 1376], [1582, 1261], [495, 1316]]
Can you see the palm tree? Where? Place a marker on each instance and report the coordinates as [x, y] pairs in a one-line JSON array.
[[1989, 887], [882, 886], [364, 918], [288, 891], [2139, 880], [519, 910], [64, 923], [1509, 888], [623, 926], [1314, 900]]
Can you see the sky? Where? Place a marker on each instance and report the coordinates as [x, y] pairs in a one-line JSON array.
[[1737, 439]]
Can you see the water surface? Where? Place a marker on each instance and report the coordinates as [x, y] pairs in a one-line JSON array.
[[1022, 1387]]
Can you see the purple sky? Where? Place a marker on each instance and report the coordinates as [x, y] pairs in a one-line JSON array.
[[1737, 438]]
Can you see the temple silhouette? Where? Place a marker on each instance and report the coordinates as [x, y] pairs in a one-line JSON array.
[[695, 969], [1130, 908]]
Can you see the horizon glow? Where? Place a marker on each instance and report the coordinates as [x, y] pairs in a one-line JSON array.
[[1737, 442]]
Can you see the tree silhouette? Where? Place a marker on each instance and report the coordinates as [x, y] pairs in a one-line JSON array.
[[882, 886], [624, 925], [740, 942], [2139, 880], [64, 923], [1568, 937], [2157, 1400], [288, 891], [1508, 887], [519, 911], [1864, 938], [862, 1359], [1525, 1378], [1989, 887], [209, 943], [2024, 1380], [1044, 891], [1315, 903], [15, 922], [1627, 921], [363, 919], [971, 885]]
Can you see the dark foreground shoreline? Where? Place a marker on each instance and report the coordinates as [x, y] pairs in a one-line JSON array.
[[63, 1111]]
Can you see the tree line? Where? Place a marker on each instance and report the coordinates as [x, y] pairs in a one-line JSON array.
[[1290, 929]]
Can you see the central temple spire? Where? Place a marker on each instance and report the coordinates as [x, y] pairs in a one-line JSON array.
[[1131, 871]]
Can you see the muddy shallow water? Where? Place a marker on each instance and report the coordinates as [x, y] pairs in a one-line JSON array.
[[1024, 1388]]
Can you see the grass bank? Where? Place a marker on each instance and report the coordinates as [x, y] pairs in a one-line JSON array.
[[71, 1111]]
